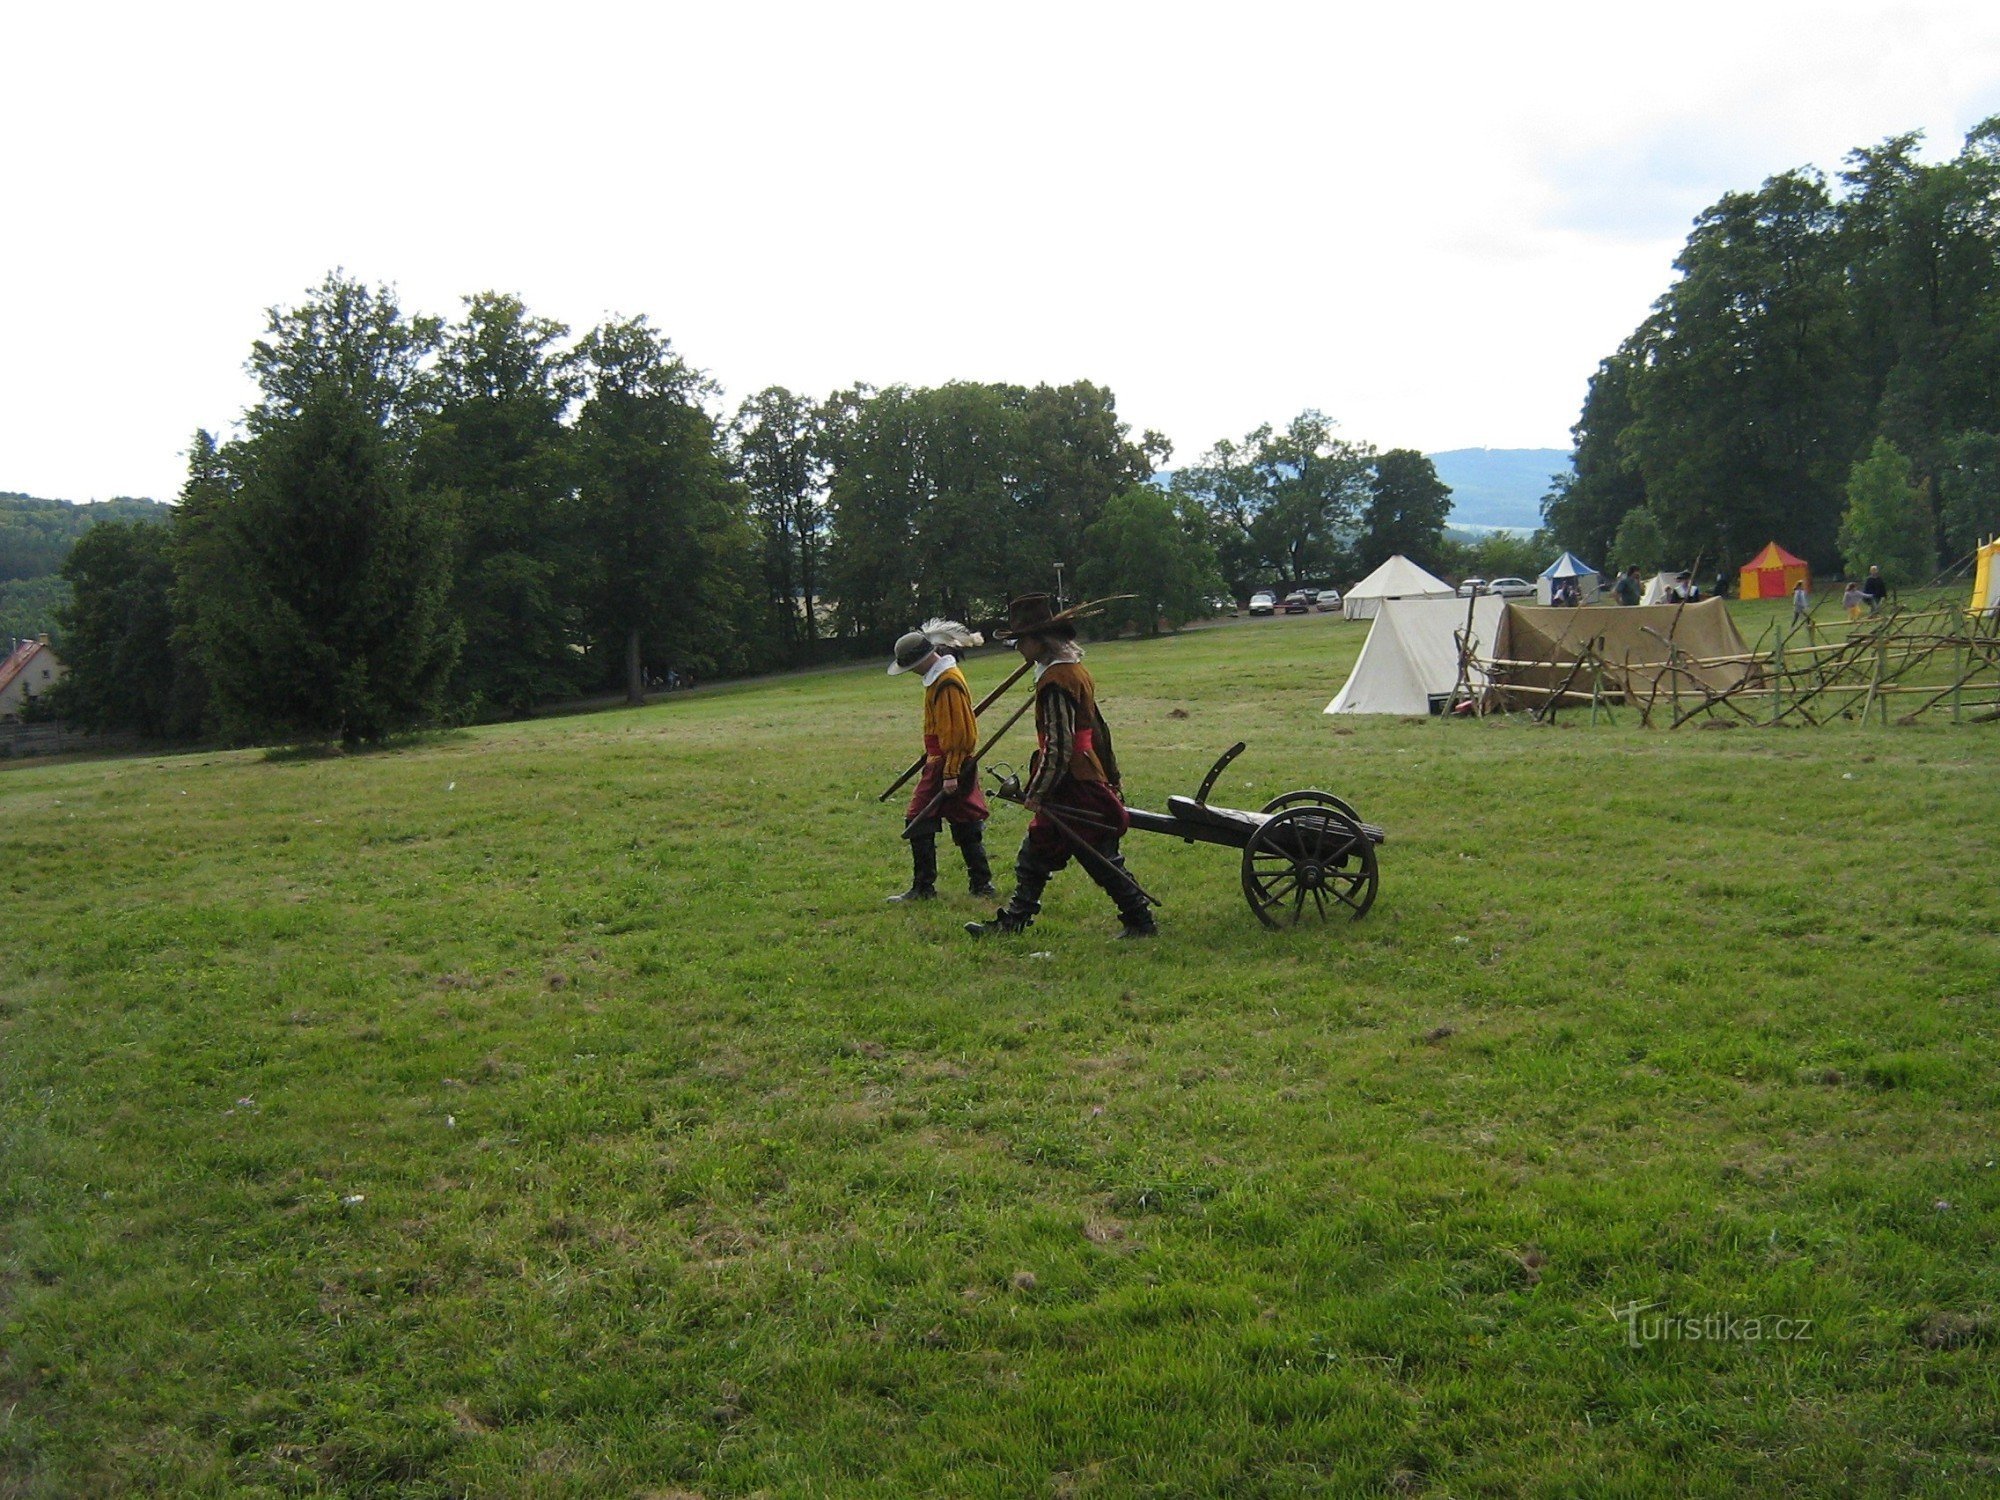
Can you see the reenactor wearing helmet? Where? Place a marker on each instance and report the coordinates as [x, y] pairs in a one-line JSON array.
[[948, 791]]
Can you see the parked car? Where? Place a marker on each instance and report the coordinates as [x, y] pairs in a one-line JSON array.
[[1470, 587], [1329, 599], [1223, 605], [1263, 602], [1300, 601], [1511, 588]]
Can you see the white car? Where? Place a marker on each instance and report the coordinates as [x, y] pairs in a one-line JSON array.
[[1263, 602], [1329, 599], [1511, 588], [1470, 587]]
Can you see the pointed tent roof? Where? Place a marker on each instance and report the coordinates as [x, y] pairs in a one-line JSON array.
[[1569, 565], [1411, 654], [1398, 578], [1774, 556]]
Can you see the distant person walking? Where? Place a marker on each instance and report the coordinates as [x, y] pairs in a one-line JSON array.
[[1854, 601], [1627, 587], [1801, 601], [1876, 587]]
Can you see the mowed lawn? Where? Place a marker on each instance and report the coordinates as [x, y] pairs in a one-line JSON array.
[[557, 1110]]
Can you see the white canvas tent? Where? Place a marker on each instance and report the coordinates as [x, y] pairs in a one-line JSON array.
[[1569, 565], [1398, 578], [1659, 590], [1657, 586], [1411, 654]]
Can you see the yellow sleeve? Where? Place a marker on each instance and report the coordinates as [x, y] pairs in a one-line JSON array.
[[957, 729]]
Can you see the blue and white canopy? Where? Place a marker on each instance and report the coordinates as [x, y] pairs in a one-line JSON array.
[[1564, 569], [1569, 565]]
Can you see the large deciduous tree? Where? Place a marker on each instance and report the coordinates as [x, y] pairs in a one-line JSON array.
[[1970, 485], [780, 452], [669, 549], [1406, 510], [125, 669], [1804, 323], [495, 441], [1285, 503], [1641, 542], [1583, 507], [948, 500], [1888, 522], [1144, 547], [1745, 421]]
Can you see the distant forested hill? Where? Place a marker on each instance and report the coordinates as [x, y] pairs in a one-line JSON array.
[[1499, 486], [35, 537]]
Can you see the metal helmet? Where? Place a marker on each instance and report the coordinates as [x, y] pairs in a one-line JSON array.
[[911, 649]]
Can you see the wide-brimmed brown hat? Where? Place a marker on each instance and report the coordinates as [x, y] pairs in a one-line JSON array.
[[1036, 614]]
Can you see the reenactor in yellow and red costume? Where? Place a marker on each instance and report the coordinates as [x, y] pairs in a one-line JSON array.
[[1072, 778], [948, 791]]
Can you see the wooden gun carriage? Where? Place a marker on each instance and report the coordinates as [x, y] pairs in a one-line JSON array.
[[1305, 853]]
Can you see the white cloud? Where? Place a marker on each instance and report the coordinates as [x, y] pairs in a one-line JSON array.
[[1430, 224]]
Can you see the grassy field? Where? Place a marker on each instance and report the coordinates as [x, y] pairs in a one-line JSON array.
[[556, 1110]]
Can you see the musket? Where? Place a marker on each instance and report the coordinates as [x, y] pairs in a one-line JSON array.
[[973, 760], [984, 703]]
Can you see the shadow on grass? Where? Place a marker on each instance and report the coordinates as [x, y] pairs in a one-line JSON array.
[[391, 744]]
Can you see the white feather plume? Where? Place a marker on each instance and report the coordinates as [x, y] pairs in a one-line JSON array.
[[950, 635]]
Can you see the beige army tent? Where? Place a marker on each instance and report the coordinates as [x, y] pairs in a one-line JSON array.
[[1411, 655], [1535, 649], [1398, 578]]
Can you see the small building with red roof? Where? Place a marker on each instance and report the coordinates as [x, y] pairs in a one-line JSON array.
[[28, 671]]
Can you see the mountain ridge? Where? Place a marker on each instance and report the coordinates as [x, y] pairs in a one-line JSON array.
[[1499, 487]]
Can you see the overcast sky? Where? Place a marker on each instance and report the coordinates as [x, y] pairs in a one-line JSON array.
[[1430, 224]]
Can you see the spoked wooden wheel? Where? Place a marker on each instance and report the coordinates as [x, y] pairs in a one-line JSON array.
[[1316, 799], [1309, 860]]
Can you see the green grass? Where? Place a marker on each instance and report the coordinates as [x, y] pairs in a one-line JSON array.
[[556, 1110]]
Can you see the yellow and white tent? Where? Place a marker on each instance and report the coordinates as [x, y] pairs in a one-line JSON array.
[[1986, 580]]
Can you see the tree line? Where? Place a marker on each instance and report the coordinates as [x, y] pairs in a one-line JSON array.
[[1824, 370], [423, 521], [35, 537]]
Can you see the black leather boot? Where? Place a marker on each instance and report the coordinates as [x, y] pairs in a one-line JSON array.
[[971, 841], [923, 860], [1138, 923], [1005, 920], [1135, 913], [1030, 879]]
